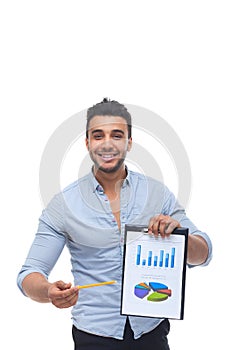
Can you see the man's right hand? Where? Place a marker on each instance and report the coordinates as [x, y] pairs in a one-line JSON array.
[[62, 294]]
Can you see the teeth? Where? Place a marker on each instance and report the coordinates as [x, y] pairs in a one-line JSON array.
[[107, 155]]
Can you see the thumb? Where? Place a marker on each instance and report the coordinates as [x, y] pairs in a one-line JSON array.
[[62, 285]]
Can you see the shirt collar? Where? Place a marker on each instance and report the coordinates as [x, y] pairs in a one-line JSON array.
[[97, 187]]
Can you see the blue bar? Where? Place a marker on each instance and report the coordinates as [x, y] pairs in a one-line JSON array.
[[161, 258], [155, 260], [150, 258], [138, 255], [173, 257], [166, 260], [143, 262]]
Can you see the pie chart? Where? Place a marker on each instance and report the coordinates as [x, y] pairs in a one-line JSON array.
[[154, 291]]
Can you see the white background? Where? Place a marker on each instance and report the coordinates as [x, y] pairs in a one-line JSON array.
[[60, 57]]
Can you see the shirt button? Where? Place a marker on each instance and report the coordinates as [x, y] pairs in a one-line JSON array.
[[100, 190]]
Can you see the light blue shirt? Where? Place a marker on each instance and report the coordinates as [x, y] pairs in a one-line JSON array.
[[81, 218]]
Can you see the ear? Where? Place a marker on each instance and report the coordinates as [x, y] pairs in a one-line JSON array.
[[87, 143], [129, 144]]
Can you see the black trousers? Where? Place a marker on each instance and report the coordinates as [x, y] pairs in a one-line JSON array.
[[154, 340]]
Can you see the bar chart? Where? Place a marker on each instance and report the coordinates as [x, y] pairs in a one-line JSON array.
[[161, 259]]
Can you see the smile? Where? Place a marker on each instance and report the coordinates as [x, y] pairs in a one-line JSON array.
[[107, 156]]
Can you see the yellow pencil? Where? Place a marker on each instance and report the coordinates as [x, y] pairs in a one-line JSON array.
[[96, 284]]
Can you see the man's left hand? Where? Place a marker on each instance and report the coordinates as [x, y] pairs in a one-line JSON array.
[[162, 225]]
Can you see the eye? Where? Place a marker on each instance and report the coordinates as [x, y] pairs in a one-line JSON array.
[[117, 136], [97, 136]]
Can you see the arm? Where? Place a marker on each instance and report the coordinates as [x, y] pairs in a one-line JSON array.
[[197, 250], [36, 287], [59, 293], [44, 252]]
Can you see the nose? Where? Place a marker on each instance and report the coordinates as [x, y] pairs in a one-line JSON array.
[[107, 145]]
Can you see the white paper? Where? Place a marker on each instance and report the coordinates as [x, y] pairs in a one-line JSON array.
[[153, 275]]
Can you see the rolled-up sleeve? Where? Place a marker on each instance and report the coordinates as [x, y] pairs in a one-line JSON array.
[[48, 243], [175, 210]]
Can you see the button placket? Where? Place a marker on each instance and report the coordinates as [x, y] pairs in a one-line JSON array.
[[106, 205], [123, 212]]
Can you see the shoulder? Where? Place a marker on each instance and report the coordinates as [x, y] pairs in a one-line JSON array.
[[69, 193], [143, 179], [150, 187], [74, 186]]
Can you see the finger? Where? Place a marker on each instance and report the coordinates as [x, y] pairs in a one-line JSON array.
[[62, 285], [65, 302], [162, 226], [150, 225], [159, 224], [55, 293], [156, 226], [68, 302], [171, 227], [153, 226], [68, 293]]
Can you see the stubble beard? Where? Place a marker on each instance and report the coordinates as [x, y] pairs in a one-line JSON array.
[[106, 170], [109, 170]]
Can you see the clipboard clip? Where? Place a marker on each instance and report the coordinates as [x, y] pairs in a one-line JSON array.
[[145, 231]]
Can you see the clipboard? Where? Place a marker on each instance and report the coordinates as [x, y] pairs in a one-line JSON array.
[[154, 273]]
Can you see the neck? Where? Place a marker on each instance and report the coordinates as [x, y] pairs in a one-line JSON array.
[[111, 182]]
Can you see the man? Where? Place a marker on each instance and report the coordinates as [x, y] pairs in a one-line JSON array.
[[89, 217]]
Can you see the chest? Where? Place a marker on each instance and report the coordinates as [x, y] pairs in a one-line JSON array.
[[114, 202]]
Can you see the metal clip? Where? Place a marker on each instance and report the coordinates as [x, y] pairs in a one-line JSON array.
[[145, 230]]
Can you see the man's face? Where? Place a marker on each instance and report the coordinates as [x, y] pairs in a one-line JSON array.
[[108, 142]]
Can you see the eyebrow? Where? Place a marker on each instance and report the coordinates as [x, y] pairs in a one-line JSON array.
[[118, 130], [96, 130], [114, 130]]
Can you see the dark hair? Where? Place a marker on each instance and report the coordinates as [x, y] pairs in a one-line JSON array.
[[110, 108]]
